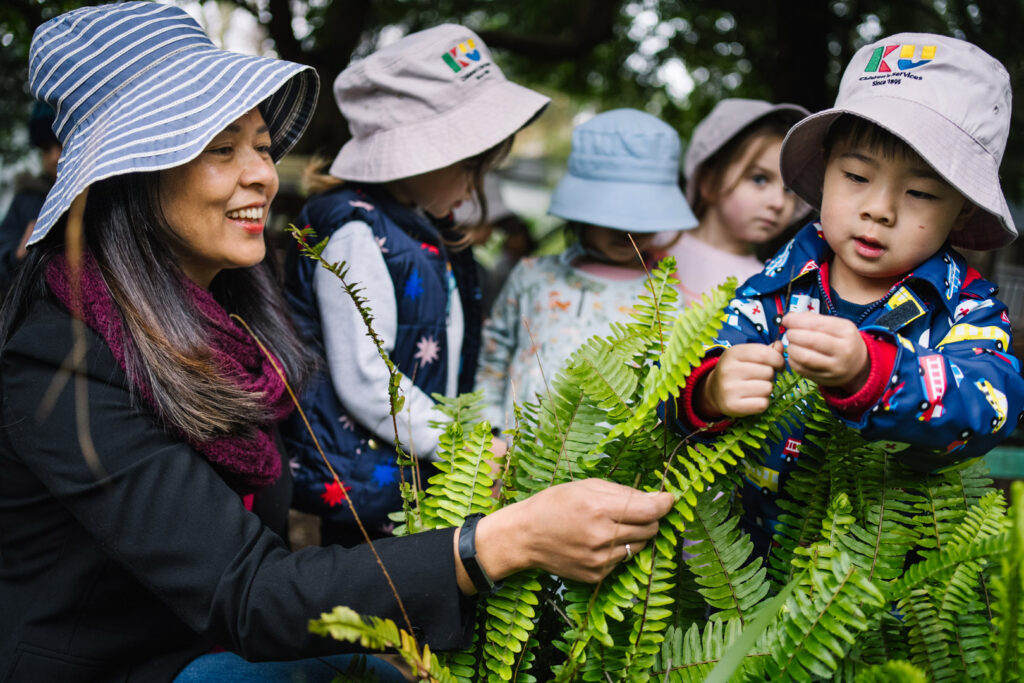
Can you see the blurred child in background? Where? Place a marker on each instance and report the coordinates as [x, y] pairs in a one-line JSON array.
[[735, 188], [620, 190], [426, 127]]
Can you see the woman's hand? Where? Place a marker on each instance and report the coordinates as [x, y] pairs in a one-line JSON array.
[[577, 530]]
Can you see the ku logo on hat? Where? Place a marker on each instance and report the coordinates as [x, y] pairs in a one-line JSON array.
[[456, 57], [878, 64]]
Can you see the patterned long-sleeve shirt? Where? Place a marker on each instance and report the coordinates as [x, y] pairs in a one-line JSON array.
[[545, 311]]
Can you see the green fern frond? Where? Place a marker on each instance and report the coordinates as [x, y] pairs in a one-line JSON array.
[[655, 310], [511, 618], [981, 534], [689, 656], [944, 501], [374, 633], [693, 329], [653, 610], [555, 435], [465, 409], [895, 671], [750, 434], [463, 484], [965, 619], [605, 369], [929, 647], [730, 581], [880, 543], [690, 606], [1007, 636], [884, 640], [834, 526], [803, 508], [818, 626]]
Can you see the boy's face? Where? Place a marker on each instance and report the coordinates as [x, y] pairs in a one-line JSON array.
[[882, 216]]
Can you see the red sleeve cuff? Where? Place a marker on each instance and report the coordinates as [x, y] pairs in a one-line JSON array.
[[881, 359], [685, 405]]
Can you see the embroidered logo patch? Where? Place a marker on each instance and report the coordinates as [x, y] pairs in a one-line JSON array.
[[460, 56], [881, 58]]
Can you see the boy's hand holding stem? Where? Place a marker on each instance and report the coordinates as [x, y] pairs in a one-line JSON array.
[[825, 349]]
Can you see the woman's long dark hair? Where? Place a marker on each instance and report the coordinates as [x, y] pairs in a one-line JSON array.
[[168, 349]]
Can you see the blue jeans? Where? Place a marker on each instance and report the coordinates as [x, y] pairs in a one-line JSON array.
[[227, 667]]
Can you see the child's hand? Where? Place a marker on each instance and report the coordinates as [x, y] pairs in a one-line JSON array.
[[741, 382], [827, 350]]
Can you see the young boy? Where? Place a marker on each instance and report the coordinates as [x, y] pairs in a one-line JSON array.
[[907, 344]]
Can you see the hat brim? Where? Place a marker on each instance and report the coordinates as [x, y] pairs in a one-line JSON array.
[[459, 133], [133, 134], [956, 156], [635, 207]]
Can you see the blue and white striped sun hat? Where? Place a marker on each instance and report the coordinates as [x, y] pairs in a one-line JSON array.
[[138, 86]]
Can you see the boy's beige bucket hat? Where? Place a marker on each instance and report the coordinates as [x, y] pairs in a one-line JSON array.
[[431, 99], [947, 99]]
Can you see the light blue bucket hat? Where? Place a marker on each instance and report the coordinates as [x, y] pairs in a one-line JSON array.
[[624, 174], [138, 86]]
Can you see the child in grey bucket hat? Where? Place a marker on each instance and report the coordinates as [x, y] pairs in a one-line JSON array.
[[429, 114], [620, 190], [907, 344], [735, 187]]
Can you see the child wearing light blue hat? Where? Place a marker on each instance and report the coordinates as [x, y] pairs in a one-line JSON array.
[[620, 190]]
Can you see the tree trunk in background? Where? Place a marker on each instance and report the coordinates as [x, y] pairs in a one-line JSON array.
[[800, 72]]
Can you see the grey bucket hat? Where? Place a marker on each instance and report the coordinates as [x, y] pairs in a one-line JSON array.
[[947, 99], [431, 99], [624, 174]]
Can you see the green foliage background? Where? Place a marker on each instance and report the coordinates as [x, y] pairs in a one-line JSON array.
[[601, 53]]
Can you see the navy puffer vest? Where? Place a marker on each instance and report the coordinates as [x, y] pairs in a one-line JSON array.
[[417, 261]]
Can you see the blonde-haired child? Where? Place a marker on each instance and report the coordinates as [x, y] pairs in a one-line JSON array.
[[735, 187]]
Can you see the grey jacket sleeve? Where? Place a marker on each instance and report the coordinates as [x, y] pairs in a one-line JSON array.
[[358, 373]]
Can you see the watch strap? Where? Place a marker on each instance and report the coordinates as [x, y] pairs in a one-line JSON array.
[[467, 553]]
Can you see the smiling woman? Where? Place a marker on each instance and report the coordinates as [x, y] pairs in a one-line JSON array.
[[143, 496], [217, 203]]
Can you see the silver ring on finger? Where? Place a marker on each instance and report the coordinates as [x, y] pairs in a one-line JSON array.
[[629, 553]]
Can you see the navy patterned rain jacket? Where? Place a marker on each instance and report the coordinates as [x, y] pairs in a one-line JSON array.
[[944, 385]]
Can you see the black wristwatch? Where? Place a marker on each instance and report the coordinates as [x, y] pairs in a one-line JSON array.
[[467, 553]]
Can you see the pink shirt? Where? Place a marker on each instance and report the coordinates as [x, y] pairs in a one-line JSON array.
[[701, 267]]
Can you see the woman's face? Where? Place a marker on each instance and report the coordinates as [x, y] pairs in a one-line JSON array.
[[218, 202]]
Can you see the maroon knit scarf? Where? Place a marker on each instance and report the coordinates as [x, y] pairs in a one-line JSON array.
[[249, 464]]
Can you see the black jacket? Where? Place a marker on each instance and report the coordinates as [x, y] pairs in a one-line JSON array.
[[128, 573]]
